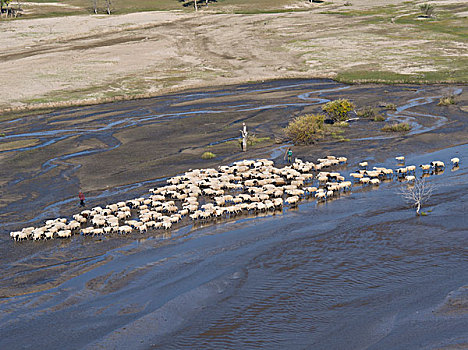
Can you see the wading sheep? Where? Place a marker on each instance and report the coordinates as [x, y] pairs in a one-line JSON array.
[[211, 194]]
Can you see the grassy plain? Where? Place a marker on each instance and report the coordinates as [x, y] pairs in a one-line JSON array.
[[60, 54]]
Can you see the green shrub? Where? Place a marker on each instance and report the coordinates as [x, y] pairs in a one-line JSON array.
[[338, 109], [371, 113], [305, 128], [2, 134], [366, 112], [427, 9], [446, 100], [398, 127], [208, 155]]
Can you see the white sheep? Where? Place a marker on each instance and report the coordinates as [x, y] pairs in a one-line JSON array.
[[64, 234], [401, 159], [364, 180], [259, 185], [125, 229], [292, 200], [425, 167], [411, 168], [320, 195], [356, 175], [437, 164]]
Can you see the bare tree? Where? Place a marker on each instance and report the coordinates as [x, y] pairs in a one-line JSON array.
[[427, 9], [95, 6], [244, 134], [108, 6], [417, 194]]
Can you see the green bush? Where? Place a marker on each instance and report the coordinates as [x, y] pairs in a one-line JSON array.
[[446, 100], [305, 128], [208, 155], [366, 112], [398, 127], [371, 113], [338, 109]]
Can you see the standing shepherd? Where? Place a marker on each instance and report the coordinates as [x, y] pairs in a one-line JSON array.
[[82, 198], [245, 135], [288, 155]]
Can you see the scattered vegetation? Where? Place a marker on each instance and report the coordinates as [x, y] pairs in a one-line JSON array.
[[388, 106], [2, 134], [337, 136], [397, 127], [455, 74], [306, 128], [446, 100], [253, 140], [370, 113], [76, 7], [341, 124], [366, 112], [338, 110], [208, 155], [427, 9]]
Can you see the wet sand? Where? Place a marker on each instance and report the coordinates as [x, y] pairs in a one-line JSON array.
[[359, 272]]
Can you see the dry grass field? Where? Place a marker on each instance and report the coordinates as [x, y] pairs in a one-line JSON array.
[[59, 54]]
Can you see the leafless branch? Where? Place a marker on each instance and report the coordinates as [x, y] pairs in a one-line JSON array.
[[417, 193]]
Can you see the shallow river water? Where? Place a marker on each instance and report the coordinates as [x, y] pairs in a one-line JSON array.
[[358, 272]]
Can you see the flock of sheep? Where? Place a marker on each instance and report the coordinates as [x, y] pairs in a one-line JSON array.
[[205, 194]]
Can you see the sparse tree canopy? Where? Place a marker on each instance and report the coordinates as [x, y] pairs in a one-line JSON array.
[[108, 4], [427, 9], [195, 3]]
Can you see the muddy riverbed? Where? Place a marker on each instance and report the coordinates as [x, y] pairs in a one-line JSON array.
[[361, 271]]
